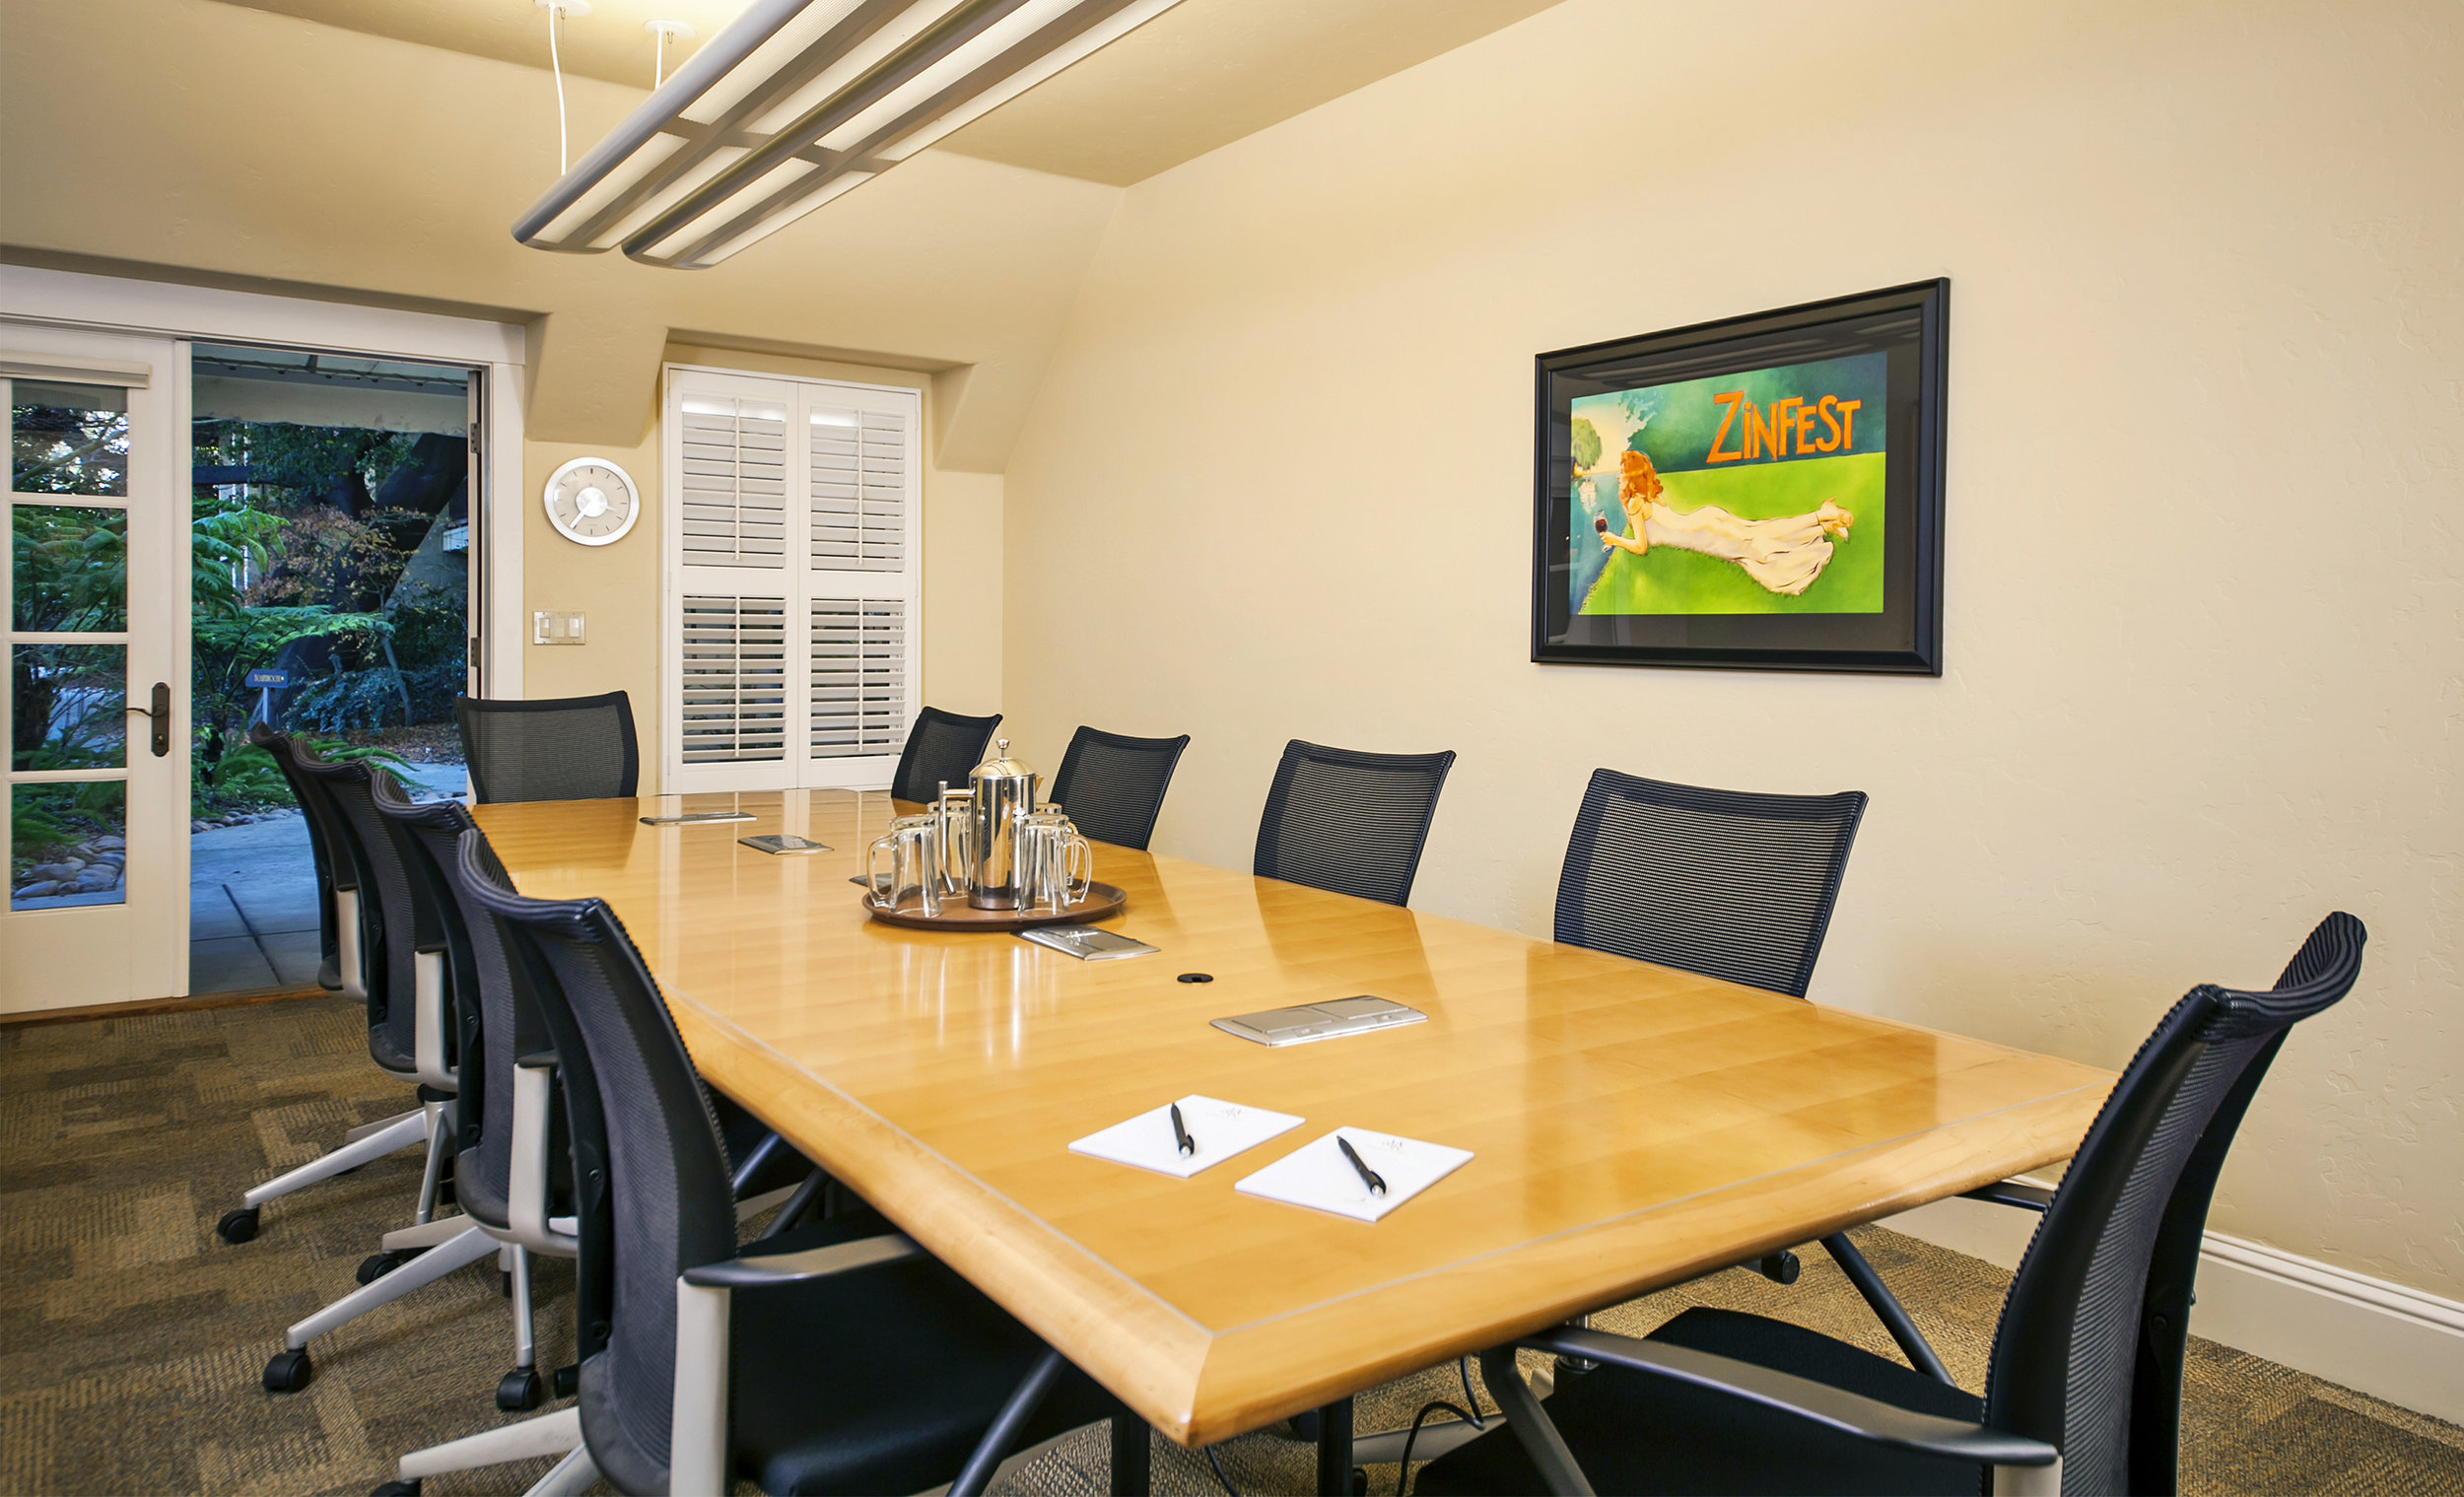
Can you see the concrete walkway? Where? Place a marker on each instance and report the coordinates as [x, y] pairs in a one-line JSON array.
[[253, 916], [252, 911]]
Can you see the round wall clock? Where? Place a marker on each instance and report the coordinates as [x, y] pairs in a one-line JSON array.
[[591, 500]]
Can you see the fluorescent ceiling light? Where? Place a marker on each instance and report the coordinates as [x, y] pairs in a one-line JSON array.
[[798, 102]]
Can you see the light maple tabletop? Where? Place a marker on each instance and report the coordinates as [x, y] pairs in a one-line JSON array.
[[1631, 1126]]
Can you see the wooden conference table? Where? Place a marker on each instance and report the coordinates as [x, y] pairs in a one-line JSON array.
[[1634, 1125]]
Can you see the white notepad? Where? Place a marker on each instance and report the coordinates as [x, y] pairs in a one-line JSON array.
[[1220, 1130], [1319, 1177]]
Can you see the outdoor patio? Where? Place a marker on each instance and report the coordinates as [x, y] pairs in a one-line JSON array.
[[252, 897]]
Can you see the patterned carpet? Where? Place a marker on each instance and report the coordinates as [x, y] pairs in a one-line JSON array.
[[132, 1339]]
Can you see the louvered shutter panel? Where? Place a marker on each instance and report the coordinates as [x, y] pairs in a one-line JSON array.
[[735, 483], [734, 680], [859, 488], [860, 676], [794, 582]]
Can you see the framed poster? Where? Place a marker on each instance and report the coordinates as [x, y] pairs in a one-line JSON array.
[[1762, 493]]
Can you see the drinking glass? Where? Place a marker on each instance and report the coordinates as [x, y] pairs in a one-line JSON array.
[[915, 852], [1057, 866]]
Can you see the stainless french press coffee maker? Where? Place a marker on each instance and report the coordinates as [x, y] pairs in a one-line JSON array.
[[989, 842]]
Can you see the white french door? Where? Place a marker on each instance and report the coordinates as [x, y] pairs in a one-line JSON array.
[[97, 716], [793, 540]]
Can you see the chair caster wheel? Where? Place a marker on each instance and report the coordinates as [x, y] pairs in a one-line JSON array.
[[1780, 1267], [397, 1489], [237, 1226], [1360, 1482], [567, 1381], [504, 1285], [518, 1390], [377, 1265], [289, 1372]]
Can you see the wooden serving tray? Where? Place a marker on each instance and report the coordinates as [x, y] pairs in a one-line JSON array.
[[1102, 902]]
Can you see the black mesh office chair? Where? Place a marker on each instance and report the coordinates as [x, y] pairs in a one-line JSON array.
[[1726, 883], [320, 852], [364, 973], [411, 1029], [559, 748], [857, 1363], [1731, 884], [516, 1183], [1349, 822], [941, 748], [1113, 786], [497, 1116], [2083, 1393]]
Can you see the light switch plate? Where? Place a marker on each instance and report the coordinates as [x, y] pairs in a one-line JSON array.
[[552, 626]]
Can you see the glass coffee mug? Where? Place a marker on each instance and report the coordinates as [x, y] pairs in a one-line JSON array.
[[952, 815], [914, 846], [1056, 864]]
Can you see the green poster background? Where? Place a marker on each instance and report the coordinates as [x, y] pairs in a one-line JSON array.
[[1677, 427]]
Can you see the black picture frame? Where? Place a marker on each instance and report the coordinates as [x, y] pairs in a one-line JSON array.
[[1909, 326]]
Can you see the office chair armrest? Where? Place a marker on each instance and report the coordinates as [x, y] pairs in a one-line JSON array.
[[698, 1418], [1837, 1408], [534, 1132], [798, 1267], [430, 996], [2011, 1192]]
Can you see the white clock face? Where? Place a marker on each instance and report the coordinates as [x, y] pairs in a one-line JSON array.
[[591, 500]]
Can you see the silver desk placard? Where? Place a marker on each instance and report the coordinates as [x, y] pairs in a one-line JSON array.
[[1304, 1023]]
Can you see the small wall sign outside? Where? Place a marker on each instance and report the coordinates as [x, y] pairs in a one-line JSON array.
[[591, 502], [1762, 493]]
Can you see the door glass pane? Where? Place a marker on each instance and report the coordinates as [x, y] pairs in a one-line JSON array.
[[71, 706], [67, 844], [70, 566], [68, 439]]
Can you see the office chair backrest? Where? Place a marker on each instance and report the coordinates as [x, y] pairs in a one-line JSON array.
[[1113, 786], [558, 748], [2088, 1355], [397, 922], [668, 1167], [496, 1020], [1349, 822], [1726, 883], [314, 812], [940, 747]]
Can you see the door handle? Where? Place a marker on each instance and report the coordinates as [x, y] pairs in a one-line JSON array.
[[160, 713]]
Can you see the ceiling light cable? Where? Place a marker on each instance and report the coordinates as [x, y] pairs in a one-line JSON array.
[[557, 10], [666, 32]]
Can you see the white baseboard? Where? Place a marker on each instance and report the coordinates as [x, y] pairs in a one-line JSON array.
[[2375, 1337]]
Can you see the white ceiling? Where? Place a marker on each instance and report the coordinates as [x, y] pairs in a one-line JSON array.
[[1204, 73]]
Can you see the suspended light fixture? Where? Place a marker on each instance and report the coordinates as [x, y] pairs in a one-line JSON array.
[[798, 102]]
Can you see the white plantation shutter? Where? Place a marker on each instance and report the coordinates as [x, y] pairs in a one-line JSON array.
[[736, 482], [734, 680], [859, 489], [860, 677], [793, 580]]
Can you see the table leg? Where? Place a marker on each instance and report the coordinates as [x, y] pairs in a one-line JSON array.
[[1335, 1449], [1131, 1454]]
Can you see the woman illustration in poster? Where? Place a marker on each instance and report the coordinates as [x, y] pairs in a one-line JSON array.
[[1783, 555]]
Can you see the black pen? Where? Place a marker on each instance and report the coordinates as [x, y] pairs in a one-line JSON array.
[[1181, 1134], [1368, 1177]]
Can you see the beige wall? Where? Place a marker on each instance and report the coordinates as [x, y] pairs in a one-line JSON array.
[[618, 585], [211, 140], [2203, 565], [194, 141]]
